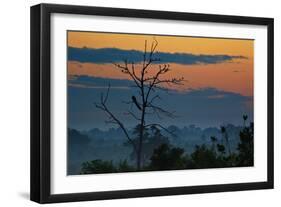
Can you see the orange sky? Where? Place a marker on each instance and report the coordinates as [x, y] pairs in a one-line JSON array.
[[166, 43], [235, 76]]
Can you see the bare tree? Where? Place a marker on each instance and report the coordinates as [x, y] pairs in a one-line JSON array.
[[146, 79]]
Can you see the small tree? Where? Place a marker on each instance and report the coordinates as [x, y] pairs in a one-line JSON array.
[[245, 117], [246, 146], [226, 138], [214, 142]]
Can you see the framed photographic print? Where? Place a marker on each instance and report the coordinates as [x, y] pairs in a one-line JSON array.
[[132, 103]]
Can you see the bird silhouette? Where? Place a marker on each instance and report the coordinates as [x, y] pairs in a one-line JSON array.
[[134, 99]]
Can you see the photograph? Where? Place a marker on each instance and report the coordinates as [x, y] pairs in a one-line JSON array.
[[129, 103], [155, 102]]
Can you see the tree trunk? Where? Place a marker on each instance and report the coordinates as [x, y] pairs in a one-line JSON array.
[[139, 155]]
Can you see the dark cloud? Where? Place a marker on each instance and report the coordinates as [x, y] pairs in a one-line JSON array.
[[114, 55], [204, 106]]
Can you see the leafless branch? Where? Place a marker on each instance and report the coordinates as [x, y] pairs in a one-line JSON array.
[[162, 111], [153, 99], [133, 115], [175, 81], [126, 70], [146, 79], [112, 118]]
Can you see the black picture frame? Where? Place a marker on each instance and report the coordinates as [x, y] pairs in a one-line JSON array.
[[41, 96]]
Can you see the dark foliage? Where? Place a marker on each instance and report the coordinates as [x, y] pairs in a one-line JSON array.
[[98, 166], [203, 157], [152, 139], [246, 147], [164, 156]]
